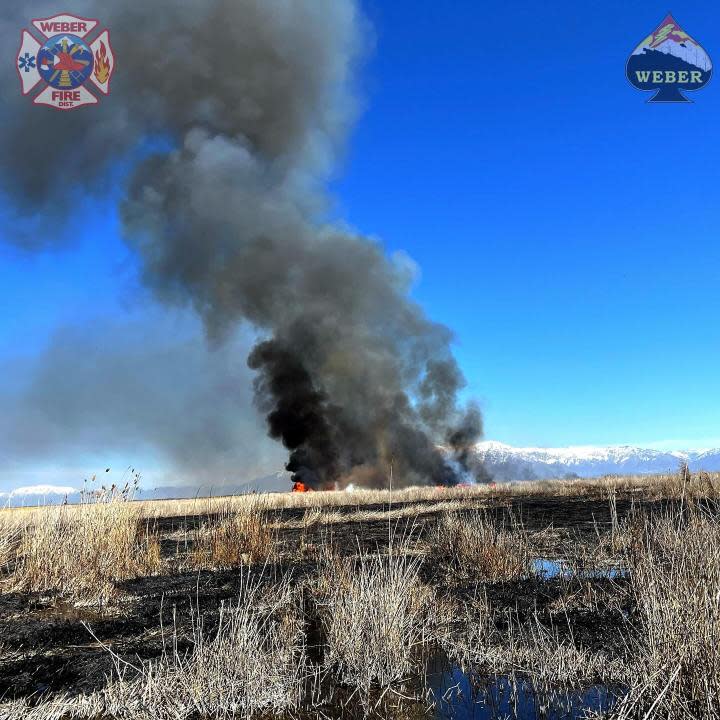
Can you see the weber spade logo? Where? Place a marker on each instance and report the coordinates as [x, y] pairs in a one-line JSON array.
[[667, 62]]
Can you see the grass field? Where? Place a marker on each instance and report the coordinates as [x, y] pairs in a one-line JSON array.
[[562, 599]]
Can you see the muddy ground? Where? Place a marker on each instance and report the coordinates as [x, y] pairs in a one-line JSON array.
[[47, 647]]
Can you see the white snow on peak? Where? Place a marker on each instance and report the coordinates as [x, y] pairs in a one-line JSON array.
[[588, 460], [40, 490], [570, 453]]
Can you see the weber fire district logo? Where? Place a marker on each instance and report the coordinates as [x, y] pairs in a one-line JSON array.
[[60, 65], [667, 61]]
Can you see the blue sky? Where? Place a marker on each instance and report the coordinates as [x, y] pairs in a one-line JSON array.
[[565, 229]]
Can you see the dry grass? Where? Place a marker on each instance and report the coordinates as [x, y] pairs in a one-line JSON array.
[[10, 533], [311, 500], [473, 545], [80, 552], [469, 628], [316, 516], [675, 569], [376, 617], [667, 485], [252, 665], [539, 653], [236, 536]]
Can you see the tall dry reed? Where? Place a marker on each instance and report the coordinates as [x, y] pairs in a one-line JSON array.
[[377, 617], [10, 532], [475, 545], [236, 535], [675, 568], [81, 551]]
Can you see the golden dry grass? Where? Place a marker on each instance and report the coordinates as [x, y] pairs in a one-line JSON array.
[[238, 535], [474, 545], [376, 615], [10, 533], [318, 516], [80, 552], [669, 485], [675, 568]]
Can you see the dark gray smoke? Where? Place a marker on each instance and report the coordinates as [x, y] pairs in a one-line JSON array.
[[254, 98]]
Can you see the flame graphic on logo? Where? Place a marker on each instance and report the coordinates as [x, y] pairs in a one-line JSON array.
[[102, 65]]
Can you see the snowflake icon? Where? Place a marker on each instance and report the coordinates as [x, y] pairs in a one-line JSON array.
[[26, 62]]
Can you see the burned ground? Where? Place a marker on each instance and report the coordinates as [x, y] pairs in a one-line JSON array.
[[47, 646], [536, 592]]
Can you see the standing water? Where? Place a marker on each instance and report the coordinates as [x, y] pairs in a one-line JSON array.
[[463, 695]]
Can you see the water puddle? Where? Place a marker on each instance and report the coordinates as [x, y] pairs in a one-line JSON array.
[[465, 696], [548, 569], [60, 611]]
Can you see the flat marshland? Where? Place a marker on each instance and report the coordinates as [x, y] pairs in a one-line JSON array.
[[567, 599]]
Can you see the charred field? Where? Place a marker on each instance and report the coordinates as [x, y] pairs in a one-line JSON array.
[[554, 600]]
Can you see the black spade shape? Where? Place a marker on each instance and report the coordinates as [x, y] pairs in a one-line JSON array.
[[668, 61]]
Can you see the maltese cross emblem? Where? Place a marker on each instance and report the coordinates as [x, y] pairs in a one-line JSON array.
[[59, 59]]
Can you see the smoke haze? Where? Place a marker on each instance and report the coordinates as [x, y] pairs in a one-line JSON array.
[[145, 390], [253, 98]]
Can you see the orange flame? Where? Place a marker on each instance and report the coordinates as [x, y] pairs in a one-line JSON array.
[[102, 64], [300, 487]]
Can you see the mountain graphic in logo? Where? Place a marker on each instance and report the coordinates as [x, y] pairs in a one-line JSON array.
[[667, 62]]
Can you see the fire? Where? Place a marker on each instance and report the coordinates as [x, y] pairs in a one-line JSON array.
[[102, 65], [300, 487]]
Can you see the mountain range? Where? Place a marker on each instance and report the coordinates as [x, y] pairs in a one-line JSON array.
[[56, 494], [502, 462]]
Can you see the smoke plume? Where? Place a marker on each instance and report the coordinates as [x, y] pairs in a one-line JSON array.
[[251, 100]]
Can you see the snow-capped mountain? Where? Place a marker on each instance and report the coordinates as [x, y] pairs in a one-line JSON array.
[[39, 495], [505, 462], [32, 495]]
